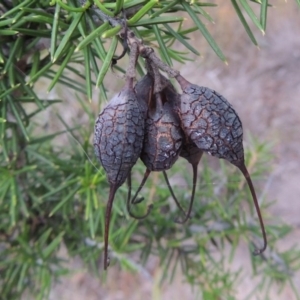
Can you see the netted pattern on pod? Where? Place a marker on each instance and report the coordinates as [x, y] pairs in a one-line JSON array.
[[211, 123], [118, 138]]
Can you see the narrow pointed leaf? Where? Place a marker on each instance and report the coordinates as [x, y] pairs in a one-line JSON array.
[[15, 9], [96, 71], [204, 13], [177, 57], [66, 39], [103, 8], [63, 201], [112, 32], [132, 3], [244, 22], [263, 13], [7, 92], [158, 20], [107, 61], [61, 68], [29, 90], [36, 12], [141, 12], [181, 39], [164, 9], [52, 246], [4, 23], [35, 64], [54, 31], [40, 73], [189, 30], [71, 8], [93, 35], [162, 45], [33, 32], [119, 6], [204, 31], [98, 44], [12, 54], [67, 81], [11, 75], [23, 275], [252, 15], [8, 32], [60, 188], [44, 139], [87, 69], [18, 118]]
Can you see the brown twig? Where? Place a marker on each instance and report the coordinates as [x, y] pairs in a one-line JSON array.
[[143, 50]]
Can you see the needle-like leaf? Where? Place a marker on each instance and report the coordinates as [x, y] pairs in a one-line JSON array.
[[181, 39], [244, 22], [66, 39], [204, 31], [107, 61], [252, 15], [263, 13]]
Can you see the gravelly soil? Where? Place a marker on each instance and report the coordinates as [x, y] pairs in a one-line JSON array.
[[264, 87]]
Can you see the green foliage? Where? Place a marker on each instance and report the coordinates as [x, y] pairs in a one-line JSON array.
[[51, 193]]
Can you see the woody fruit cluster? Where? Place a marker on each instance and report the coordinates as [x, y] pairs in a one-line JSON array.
[[155, 123]]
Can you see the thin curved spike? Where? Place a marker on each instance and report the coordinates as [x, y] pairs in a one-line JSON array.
[[193, 155], [112, 191], [146, 175], [149, 208], [172, 193], [244, 170], [139, 200], [187, 216]]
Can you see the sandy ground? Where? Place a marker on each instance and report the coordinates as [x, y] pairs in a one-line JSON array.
[[264, 87]]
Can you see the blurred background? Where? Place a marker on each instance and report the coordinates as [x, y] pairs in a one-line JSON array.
[[263, 84]]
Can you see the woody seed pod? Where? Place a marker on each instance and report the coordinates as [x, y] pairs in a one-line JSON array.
[[210, 122], [189, 150], [163, 135], [118, 138]]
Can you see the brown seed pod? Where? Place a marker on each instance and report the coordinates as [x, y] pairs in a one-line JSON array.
[[119, 134], [189, 151], [118, 138], [210, 122], [163, 135], [144, 92]]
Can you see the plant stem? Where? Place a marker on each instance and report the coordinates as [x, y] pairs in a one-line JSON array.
[[145, 51]]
